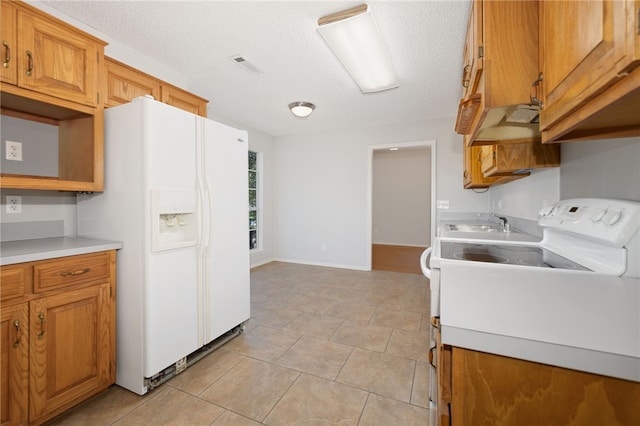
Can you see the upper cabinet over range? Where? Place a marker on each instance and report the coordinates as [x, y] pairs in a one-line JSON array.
[[551, 70], [590, 75], [500, 63]]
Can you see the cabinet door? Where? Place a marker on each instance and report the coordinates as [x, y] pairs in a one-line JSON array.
[[516, 392], [14, 378], [472, 57], [585, 47], [473, 175], [8, 71], [444, 378], [69, 349], [500, 160], [184, 100], [125, 83], [56, 60]]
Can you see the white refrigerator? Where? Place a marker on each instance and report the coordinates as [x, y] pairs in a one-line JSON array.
[[176, 195]]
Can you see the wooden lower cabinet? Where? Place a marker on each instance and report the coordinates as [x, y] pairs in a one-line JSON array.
[[14, 357], [494, 390], [58, 346], [443, 373]]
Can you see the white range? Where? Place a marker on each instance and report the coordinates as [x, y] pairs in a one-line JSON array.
[[571, 299]]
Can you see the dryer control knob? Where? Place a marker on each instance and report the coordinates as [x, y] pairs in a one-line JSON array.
[[598, 215], [546, 210], [612, 217]]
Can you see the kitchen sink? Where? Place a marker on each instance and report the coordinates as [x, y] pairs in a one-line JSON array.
[[477, 228]]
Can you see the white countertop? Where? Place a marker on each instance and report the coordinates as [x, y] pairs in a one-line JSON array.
[[12, 252], [588, 323]]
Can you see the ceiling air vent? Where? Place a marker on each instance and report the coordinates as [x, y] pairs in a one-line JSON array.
[[238, 59]]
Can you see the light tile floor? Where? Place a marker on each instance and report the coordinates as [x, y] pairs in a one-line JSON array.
[[323, 346]]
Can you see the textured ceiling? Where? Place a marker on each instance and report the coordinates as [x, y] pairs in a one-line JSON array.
[[425, 41]]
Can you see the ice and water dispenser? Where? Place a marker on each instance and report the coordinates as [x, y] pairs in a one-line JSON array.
[[174, 219]]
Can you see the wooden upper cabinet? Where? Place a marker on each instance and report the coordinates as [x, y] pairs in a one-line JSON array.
[[517, 158], [51, 74], [474, 178], [472, 56], [184, 100], [56, 59], [125, 83], [589, 56], [8, 33], [500, 64]]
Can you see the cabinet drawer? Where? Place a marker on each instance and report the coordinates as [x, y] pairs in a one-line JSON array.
[[69, 271], [15, 281]]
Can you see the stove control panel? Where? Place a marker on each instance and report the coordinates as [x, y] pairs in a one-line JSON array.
[[608, 220]]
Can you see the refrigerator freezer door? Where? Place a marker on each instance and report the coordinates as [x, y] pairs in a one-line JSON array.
[[171, 286], [171, 316], [226, 253], [150, 148]]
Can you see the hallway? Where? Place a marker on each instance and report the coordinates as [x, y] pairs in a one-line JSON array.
[[323, 346]]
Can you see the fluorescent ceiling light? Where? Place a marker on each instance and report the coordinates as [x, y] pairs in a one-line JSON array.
[[301, 109], [354, 38]]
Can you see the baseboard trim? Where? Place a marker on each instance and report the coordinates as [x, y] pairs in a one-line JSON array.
[[326, 264]]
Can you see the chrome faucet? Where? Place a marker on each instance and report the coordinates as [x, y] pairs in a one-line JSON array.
[[506, 227]]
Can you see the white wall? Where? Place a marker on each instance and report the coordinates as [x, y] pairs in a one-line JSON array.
[[525, 197], [607, 168], [321, 189], [38, 206], [604, 168], [401, 205]]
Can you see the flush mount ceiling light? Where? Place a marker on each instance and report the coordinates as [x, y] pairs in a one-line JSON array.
[[301, 109], [355, 40]]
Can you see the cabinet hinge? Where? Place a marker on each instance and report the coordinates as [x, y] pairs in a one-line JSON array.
[[480, 51], [98, 97], [638, 21]]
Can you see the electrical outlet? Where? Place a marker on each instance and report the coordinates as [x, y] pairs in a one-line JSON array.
[[442, 204], [13, 151], [323, 246], [14, 204]]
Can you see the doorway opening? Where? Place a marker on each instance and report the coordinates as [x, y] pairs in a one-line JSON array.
[[401, 194]]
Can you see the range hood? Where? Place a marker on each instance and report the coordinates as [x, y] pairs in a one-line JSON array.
[[511, 123], [515, 122]]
